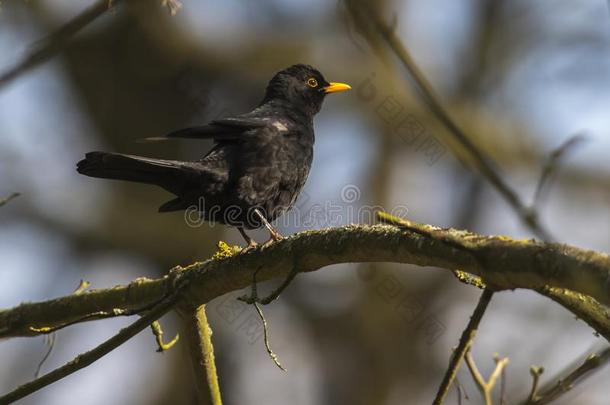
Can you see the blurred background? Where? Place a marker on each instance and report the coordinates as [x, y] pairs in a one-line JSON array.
[[519, 77]]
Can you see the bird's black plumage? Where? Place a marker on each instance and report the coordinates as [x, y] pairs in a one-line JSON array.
[[260, 160]]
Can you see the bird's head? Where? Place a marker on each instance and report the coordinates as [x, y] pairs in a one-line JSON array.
[[303, 87]]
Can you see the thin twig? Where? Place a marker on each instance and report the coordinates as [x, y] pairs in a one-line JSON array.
[[202, 355], [535, 372], [552, 165], [158, 332], [92, 316], [486, 387], [253, 299], [463, 346], [50, 338], [503, 387], [483, 163], [50, 341], [592, 362], [461, 390], [266, 338], [85, 359], [474, 371], [82, 287], [56, 41], [9, 198], [173, 6]]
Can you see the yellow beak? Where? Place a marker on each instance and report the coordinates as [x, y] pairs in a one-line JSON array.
[[335, 87]]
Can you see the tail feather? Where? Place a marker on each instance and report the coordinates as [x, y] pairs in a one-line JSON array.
[[163, 173]]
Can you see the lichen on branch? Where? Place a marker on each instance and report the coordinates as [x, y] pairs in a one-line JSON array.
[[556, 270]]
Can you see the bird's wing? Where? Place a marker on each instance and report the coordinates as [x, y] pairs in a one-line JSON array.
[[225, 129]]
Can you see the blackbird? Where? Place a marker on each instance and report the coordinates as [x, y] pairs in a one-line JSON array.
[[257, 167]]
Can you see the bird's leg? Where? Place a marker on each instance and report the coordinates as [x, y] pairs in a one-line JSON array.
[[251, 242], [253, 298], [275, 235]]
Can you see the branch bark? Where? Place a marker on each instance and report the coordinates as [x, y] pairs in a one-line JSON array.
[[576, 278], [202, 356]]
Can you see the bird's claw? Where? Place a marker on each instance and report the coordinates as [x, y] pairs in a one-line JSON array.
[[251, 246], [275, 237]]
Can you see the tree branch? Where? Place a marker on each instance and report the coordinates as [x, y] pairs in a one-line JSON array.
[[463, 347], [47, 47], [562, 385], [5, 200], [486, 387], [85, 359], [368, 18], [501, 262], [202, 355]]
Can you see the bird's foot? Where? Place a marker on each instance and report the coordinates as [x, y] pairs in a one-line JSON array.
[[275, 236], [251, 246], [251, 242]]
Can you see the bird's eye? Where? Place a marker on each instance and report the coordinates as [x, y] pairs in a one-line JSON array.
[[311, 82]]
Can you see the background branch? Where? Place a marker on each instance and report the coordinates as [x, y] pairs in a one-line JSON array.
[[85, 359], [463, 347], [364, 15], [56, 41], [561, 385], [202, 355], [5, 200]]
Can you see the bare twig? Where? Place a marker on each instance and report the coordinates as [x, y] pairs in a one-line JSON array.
[[50, 341], [173, 6], [503, 387], [113, 313], [56, 41], [5, 200], [592, 362], [552, 165], [536, 372], [87, 358], [266, 338], [158, 332], [486, 387], [362, 11], [253, 299], [82, 287], [51, 336], [202, 355], [463, 346]]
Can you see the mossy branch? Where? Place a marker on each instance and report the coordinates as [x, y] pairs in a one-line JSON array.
[[202, 355], [576, 278]]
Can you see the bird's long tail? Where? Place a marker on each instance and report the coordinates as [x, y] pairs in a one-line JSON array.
[[163, 173]]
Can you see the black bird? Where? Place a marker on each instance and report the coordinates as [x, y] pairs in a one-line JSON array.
[[258, 165]]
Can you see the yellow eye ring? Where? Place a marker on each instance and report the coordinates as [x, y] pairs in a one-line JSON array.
[[311, 82]]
